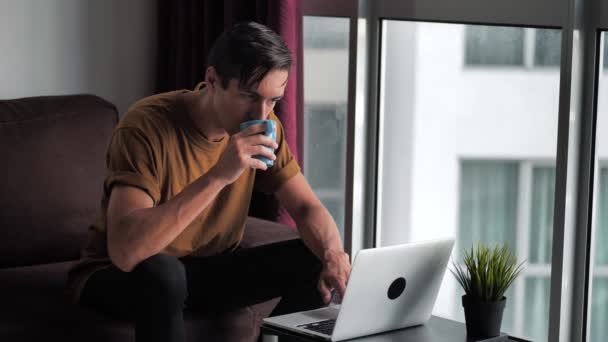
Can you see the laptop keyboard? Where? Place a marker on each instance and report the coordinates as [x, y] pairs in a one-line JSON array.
[[324, 327]]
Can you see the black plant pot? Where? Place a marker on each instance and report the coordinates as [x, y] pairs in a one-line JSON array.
[[483, 319]]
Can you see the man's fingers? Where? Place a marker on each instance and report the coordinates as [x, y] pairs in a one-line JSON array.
[[258, 164], [259, 139], [342, 289], [325, 292], [263, 151], [339, 284], [254, 129]]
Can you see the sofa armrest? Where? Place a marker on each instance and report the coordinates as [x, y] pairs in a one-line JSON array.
[[262, 232]]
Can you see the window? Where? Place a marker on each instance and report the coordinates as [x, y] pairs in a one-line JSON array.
[[512, 46], [469, 154], [434, 97], [325, 101], [599, 269]]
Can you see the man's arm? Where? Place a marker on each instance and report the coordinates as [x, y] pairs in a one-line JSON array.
[[319, 232], [137, 230]]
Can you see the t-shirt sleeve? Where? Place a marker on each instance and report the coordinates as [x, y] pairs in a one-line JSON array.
[[285, 166], [132, 160]]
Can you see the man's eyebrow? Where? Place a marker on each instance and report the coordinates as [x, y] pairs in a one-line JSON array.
[[253, 92]]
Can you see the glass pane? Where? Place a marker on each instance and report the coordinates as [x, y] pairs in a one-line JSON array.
[[468, 152], [494, 45], [599, 282], [547, 47], [325, 103], [335, 207], [605, 54], [325, 145], [541, 215], [325, 33], [537, 307], [599, 309], [601, 227]]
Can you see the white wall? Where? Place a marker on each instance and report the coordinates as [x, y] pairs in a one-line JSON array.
[[53, 47]]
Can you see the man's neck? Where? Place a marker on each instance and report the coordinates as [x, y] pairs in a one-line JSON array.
[[200, 110]]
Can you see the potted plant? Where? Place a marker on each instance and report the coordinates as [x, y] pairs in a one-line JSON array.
[[485, 275]]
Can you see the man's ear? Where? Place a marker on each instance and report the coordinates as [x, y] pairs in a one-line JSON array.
[[211, 79]]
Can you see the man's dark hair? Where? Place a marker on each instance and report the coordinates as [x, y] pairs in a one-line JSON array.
[[247, 52]]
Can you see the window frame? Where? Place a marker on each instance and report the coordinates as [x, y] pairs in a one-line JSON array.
[[357, 178]]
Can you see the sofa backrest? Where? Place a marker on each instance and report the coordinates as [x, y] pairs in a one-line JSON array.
[[52, 151]]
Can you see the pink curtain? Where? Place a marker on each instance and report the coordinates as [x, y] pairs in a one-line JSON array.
[[288, 25], [187, 29]]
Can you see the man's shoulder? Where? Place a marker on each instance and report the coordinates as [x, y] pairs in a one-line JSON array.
[[151, 113], [157, 101]]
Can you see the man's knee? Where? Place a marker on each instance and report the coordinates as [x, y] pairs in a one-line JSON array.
[[162, 281], [304, 257]]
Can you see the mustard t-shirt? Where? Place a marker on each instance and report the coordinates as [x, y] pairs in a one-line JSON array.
[[157, 148]]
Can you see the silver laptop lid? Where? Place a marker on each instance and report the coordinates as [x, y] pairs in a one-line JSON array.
[[392, 287]]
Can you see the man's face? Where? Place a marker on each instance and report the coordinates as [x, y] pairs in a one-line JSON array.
[[235, 105]]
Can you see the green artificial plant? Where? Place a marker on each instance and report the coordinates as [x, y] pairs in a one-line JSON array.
[[486, 273]]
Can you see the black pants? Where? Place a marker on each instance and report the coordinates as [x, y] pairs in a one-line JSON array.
[[155, 293]]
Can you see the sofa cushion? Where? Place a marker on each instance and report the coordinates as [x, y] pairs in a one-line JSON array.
[[53, 153]]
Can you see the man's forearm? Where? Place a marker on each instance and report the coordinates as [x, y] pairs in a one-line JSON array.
[[145, 232], [318, 230]]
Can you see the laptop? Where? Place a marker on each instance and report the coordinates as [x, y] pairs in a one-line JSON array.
[[389, 288]]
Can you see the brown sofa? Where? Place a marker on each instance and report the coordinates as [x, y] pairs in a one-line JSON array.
[[53, 164]]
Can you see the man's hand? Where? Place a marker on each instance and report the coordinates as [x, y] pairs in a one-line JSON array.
[[238, 156], [335, 273]]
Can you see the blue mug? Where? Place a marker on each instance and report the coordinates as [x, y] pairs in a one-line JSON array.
[[271, 131]]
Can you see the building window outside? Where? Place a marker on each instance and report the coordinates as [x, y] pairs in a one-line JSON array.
[[507, 45], [547, 47], [496, 46]]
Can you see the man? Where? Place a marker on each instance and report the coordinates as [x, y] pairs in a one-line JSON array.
[[180, 178]]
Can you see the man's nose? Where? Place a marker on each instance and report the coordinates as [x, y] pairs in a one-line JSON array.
[[261, 111]]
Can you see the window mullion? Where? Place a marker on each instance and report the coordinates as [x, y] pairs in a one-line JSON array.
[[522, 243], [529, 51]]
